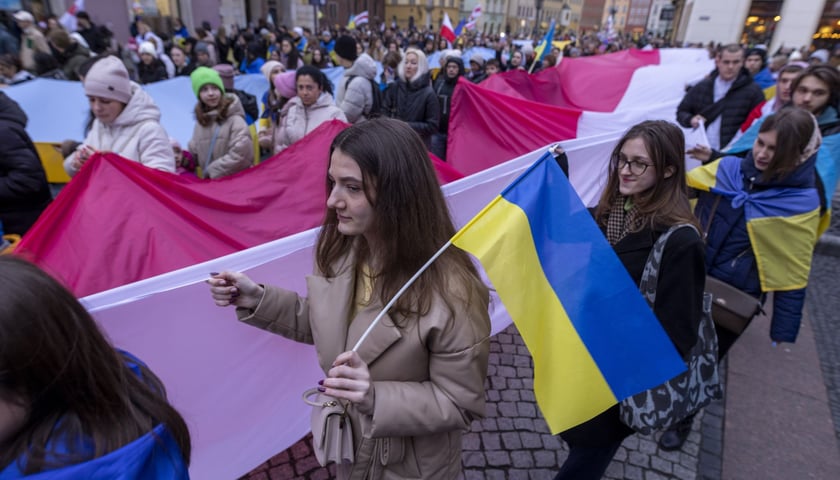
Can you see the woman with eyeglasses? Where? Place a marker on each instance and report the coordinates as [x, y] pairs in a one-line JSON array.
[[644, 196]]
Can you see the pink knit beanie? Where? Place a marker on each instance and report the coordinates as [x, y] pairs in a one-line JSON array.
[[284, 83]]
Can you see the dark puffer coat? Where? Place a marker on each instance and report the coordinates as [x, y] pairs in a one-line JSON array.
[[24, 191], [414, 103], [739, 101], [444, 88], [729, 253]]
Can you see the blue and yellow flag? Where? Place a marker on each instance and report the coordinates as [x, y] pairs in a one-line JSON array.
[[592, 336], [544, 47], [782, 223]]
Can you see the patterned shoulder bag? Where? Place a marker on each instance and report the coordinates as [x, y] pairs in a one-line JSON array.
[[688, 392]]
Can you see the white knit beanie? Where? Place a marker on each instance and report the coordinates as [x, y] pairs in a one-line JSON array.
[[108, 78], [147, 47]]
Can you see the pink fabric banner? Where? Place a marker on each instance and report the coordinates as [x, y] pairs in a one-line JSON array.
[[487, 128], [118, 222], [595, 84]]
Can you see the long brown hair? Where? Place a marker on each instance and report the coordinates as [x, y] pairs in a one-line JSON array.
[[57, 364], [207, 116], [794, 128], [666, 203], [411, 220]]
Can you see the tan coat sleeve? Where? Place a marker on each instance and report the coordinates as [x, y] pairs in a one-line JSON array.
[[282, 312], [453, 397]]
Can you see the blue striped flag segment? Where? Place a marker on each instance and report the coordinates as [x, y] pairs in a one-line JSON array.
[[592, 336]]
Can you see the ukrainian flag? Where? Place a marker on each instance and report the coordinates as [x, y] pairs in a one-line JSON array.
[[592, 336], [783, 223]]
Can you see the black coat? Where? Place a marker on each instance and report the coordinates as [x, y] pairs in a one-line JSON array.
[[414, 103], [24, 191], [742, 97], [444, 89], [151, 73], [679, 302]]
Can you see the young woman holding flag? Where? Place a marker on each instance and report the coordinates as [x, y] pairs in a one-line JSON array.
[[416, 382]]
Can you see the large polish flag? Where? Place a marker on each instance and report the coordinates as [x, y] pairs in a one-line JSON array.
[[514, 112], [239, 387]]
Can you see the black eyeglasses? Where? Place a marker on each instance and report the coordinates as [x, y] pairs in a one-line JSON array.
[[636, 167]]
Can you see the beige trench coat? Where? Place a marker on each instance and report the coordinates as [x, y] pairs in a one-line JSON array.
[[428, 377]]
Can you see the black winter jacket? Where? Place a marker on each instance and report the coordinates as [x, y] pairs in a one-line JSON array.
[[679, 301], [151, 73], [444, 88], [414, 103], [24, 191], [739, 101]]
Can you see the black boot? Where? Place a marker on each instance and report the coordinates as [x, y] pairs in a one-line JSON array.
[[674, 437]]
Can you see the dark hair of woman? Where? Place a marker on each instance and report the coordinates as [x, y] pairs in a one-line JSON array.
[[58, 365], [411, 220], [45, 63], [11, 60], [207, 116], [826, 74], [324, 57], [392, 59], [666, 202], [293, 56], [317, 75], [794, 127]]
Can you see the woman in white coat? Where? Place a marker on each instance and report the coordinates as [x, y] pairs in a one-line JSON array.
[[127, 121], [312, 106]]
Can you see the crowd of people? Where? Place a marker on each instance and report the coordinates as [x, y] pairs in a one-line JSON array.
[[376, 235]]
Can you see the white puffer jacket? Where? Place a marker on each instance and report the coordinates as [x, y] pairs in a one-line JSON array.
[[136, 134], [298, 120]]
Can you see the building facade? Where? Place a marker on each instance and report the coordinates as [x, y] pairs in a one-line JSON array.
[[775, 23]]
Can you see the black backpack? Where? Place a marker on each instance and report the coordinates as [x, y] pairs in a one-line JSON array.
[[376, 106]]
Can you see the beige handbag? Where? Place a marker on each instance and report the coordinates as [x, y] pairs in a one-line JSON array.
[[332, 434]]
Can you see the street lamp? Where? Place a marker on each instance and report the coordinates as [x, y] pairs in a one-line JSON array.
[[430, 5], [565, 15], [539, 5]]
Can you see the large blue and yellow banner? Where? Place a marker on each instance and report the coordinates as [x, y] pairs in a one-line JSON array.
[[593, 338]]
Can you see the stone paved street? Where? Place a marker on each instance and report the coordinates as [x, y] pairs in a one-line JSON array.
[[513, 441]]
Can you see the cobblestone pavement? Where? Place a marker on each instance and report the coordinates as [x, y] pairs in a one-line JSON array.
[[514, 442], [823, 302]]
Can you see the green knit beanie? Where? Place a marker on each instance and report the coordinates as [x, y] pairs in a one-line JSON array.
[[204, 75]]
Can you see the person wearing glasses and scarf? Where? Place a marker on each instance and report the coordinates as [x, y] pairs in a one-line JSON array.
[[644, 196]]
